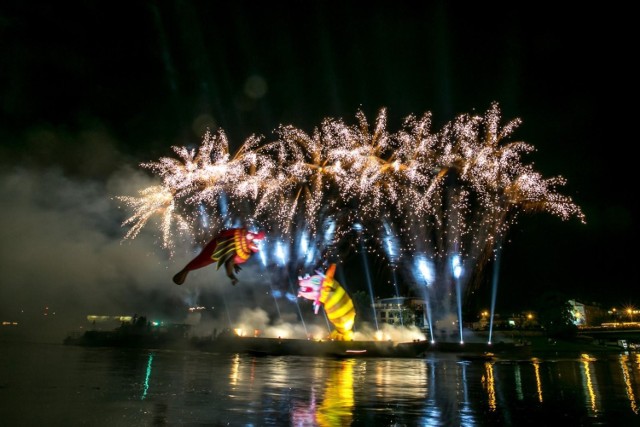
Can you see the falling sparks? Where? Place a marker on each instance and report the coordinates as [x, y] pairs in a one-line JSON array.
[[455, 192]]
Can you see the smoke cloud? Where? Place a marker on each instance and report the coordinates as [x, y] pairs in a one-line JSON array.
[[64, 257]]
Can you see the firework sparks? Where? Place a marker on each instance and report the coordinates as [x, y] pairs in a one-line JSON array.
[[455, 192], [199, 183]]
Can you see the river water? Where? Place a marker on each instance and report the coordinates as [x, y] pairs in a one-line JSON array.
[[57, 385]]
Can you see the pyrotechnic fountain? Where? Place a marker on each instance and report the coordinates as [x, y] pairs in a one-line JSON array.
[[451, 197]]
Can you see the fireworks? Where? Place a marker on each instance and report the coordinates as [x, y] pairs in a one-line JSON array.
[[452, 192]]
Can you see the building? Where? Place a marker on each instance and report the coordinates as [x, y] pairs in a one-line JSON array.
[[578, 312], [588, 315], [401, 311]]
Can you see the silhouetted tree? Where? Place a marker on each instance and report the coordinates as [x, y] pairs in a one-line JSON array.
[[556, 316], [362, 303]]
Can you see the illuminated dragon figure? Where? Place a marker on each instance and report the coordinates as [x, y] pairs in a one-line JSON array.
[[322, 289], [230, 247]]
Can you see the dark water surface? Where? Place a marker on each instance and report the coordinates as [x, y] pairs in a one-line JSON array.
[[56, 385]]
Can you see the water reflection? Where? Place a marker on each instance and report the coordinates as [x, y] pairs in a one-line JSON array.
[[589, 385], [331, 401], [536, 368], [98, 387], [337, 405], [626, 376], [443, 390], [147, 376], [490, 386]]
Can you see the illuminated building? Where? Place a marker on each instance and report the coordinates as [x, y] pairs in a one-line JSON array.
[[400, 311]]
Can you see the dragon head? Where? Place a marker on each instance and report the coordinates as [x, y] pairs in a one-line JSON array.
[[253, 239], [309, 287]]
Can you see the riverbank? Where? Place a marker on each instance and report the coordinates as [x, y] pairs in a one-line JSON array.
[[530, 344]]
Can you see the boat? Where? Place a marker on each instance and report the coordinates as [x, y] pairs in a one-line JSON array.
[[174, 336]]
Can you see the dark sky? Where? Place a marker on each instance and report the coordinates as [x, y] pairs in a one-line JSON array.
[[88, 90]]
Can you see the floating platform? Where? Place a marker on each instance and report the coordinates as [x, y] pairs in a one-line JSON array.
[[342, 349], [260, 346]]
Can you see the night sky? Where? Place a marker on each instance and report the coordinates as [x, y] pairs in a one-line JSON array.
[[89, 90]]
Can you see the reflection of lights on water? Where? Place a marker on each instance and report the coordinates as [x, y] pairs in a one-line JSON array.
[[387, 385], [489, 383], [589, 386], [332, 385], [279, 373], [234, 375], [536, 368], [147, 376], [626, 375], [337, 406], [384, 375], [465, 390], [518, 376]]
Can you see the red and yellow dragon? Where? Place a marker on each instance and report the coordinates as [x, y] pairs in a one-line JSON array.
[[229, 248]]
